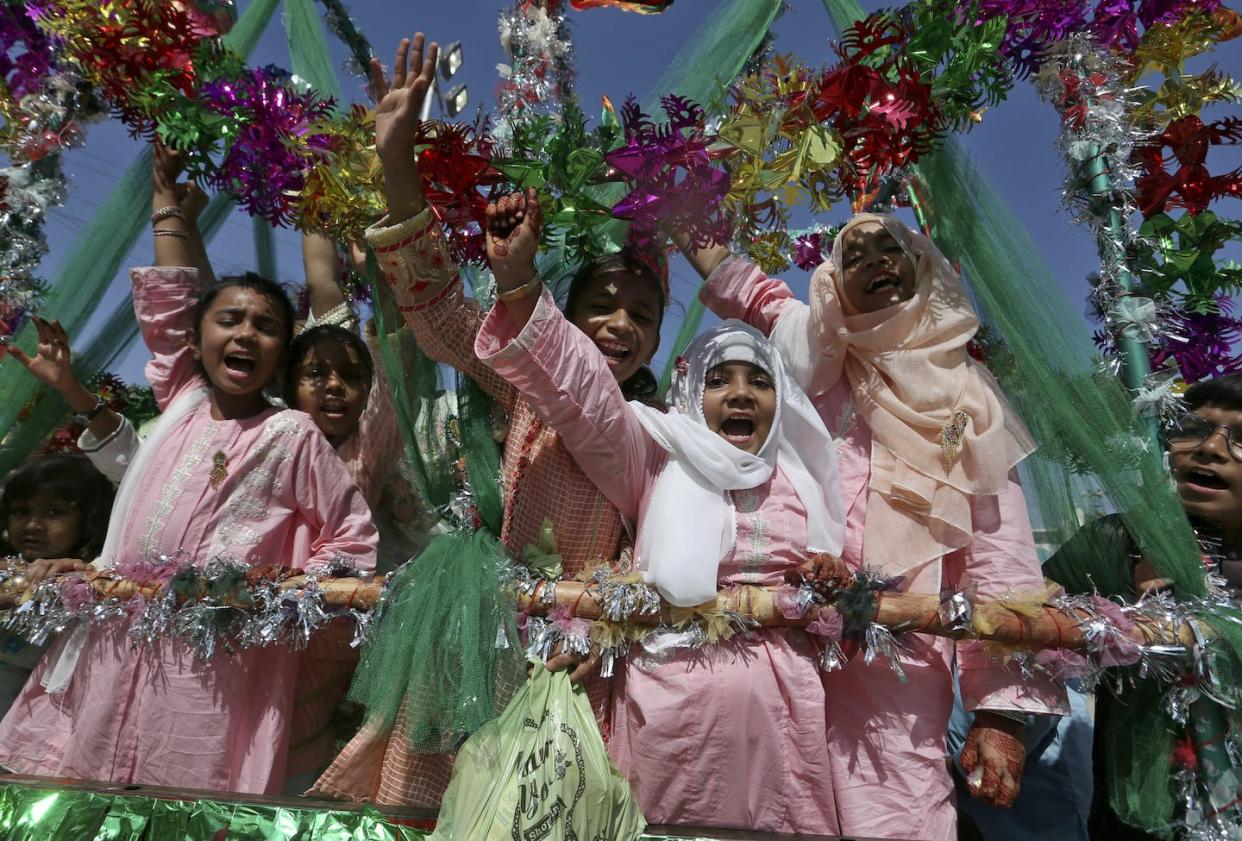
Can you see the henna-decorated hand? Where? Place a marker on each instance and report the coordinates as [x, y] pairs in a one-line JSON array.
[[514, 223], [823, 572], [993, 758], [582, 665]]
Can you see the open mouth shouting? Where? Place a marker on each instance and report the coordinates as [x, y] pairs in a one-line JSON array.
[[738, 428], [240, 365], [334, 408], [883, 282], [616, 353], [1203, 480]]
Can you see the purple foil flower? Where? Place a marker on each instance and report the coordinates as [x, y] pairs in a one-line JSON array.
[[673, 181], [1202, 344], [265, 166], [808, 251]]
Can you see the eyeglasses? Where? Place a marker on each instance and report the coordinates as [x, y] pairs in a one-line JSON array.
[[1189, 431]]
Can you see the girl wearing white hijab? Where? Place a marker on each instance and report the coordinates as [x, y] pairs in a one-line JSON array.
[[735, 484], [927, 446]]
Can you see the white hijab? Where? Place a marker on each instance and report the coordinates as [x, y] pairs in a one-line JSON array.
[[678, 548]]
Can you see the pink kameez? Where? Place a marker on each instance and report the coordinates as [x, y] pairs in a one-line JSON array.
[[886, 739], [732, 735], [166, 717], [540, 478]]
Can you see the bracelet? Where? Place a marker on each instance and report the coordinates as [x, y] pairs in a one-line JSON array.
[[170, 212], [166, 232], [520, 292], [90, 414]]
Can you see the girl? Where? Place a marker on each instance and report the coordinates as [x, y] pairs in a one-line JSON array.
[[617, 304], [736, 484], [927, 444], [54, 511], [222, 476]]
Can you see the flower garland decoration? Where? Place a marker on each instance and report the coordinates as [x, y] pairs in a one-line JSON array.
[[671, 176]]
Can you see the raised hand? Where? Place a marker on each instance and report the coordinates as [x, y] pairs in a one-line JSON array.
[[169, 164], [397, 118], [401, 100], [514, 223], [52, 362]]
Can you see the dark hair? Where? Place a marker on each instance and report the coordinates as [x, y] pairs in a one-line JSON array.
[[75, 480], [1225, 392], [269, 289], [307, 339], [642, 384]]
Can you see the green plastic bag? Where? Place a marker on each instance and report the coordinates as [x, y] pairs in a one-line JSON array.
[[539, 773]]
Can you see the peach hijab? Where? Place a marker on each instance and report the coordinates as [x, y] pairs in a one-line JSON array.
[[914, 384]]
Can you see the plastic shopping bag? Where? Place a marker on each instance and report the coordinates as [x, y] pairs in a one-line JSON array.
[[539, 772]]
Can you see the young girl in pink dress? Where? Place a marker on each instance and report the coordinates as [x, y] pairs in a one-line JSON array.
[[927, 444], [736, 484], [222, 476]]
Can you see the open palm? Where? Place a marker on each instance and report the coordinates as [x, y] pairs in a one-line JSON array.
[[52, 362], [401, 99]]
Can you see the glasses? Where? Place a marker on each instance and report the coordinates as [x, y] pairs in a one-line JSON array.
[[1189, 431]]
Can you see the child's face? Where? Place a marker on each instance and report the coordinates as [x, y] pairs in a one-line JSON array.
[[876, 271], [1208, 477], [620, 312], [332, 386], [240, 341], [44, 526], [739, 404]]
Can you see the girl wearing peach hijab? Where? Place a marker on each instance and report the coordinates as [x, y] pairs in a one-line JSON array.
[[926, 450]]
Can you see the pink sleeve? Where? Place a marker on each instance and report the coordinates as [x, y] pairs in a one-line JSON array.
[[413, 256], [565, 378], [333, 506], [164, 301], [1002, 562], [737, 288]]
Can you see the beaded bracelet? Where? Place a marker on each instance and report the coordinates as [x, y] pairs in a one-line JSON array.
[[172, 211]]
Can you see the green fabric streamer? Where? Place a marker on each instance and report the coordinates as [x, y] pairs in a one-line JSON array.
[[414, 383], [453, 594], [713, 56], [264, 248], [308, 48], [95, 256], [1080, 416]]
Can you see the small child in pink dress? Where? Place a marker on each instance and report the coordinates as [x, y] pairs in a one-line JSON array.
[[222, 476], [736, 484]]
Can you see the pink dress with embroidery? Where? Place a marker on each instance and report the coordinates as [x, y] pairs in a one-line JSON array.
[[886, 738], [540, 479], [729, 735], [166, 717]]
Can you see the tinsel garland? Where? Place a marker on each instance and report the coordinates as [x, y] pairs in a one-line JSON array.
[[225, 606]]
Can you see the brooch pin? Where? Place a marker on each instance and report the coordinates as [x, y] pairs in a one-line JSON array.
[[952, 434], [219, 469]]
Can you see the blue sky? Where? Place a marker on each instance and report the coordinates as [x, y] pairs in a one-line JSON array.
[[618, 54]]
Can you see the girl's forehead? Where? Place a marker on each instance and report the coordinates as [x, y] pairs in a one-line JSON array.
[[243, 297], [870, 231]]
